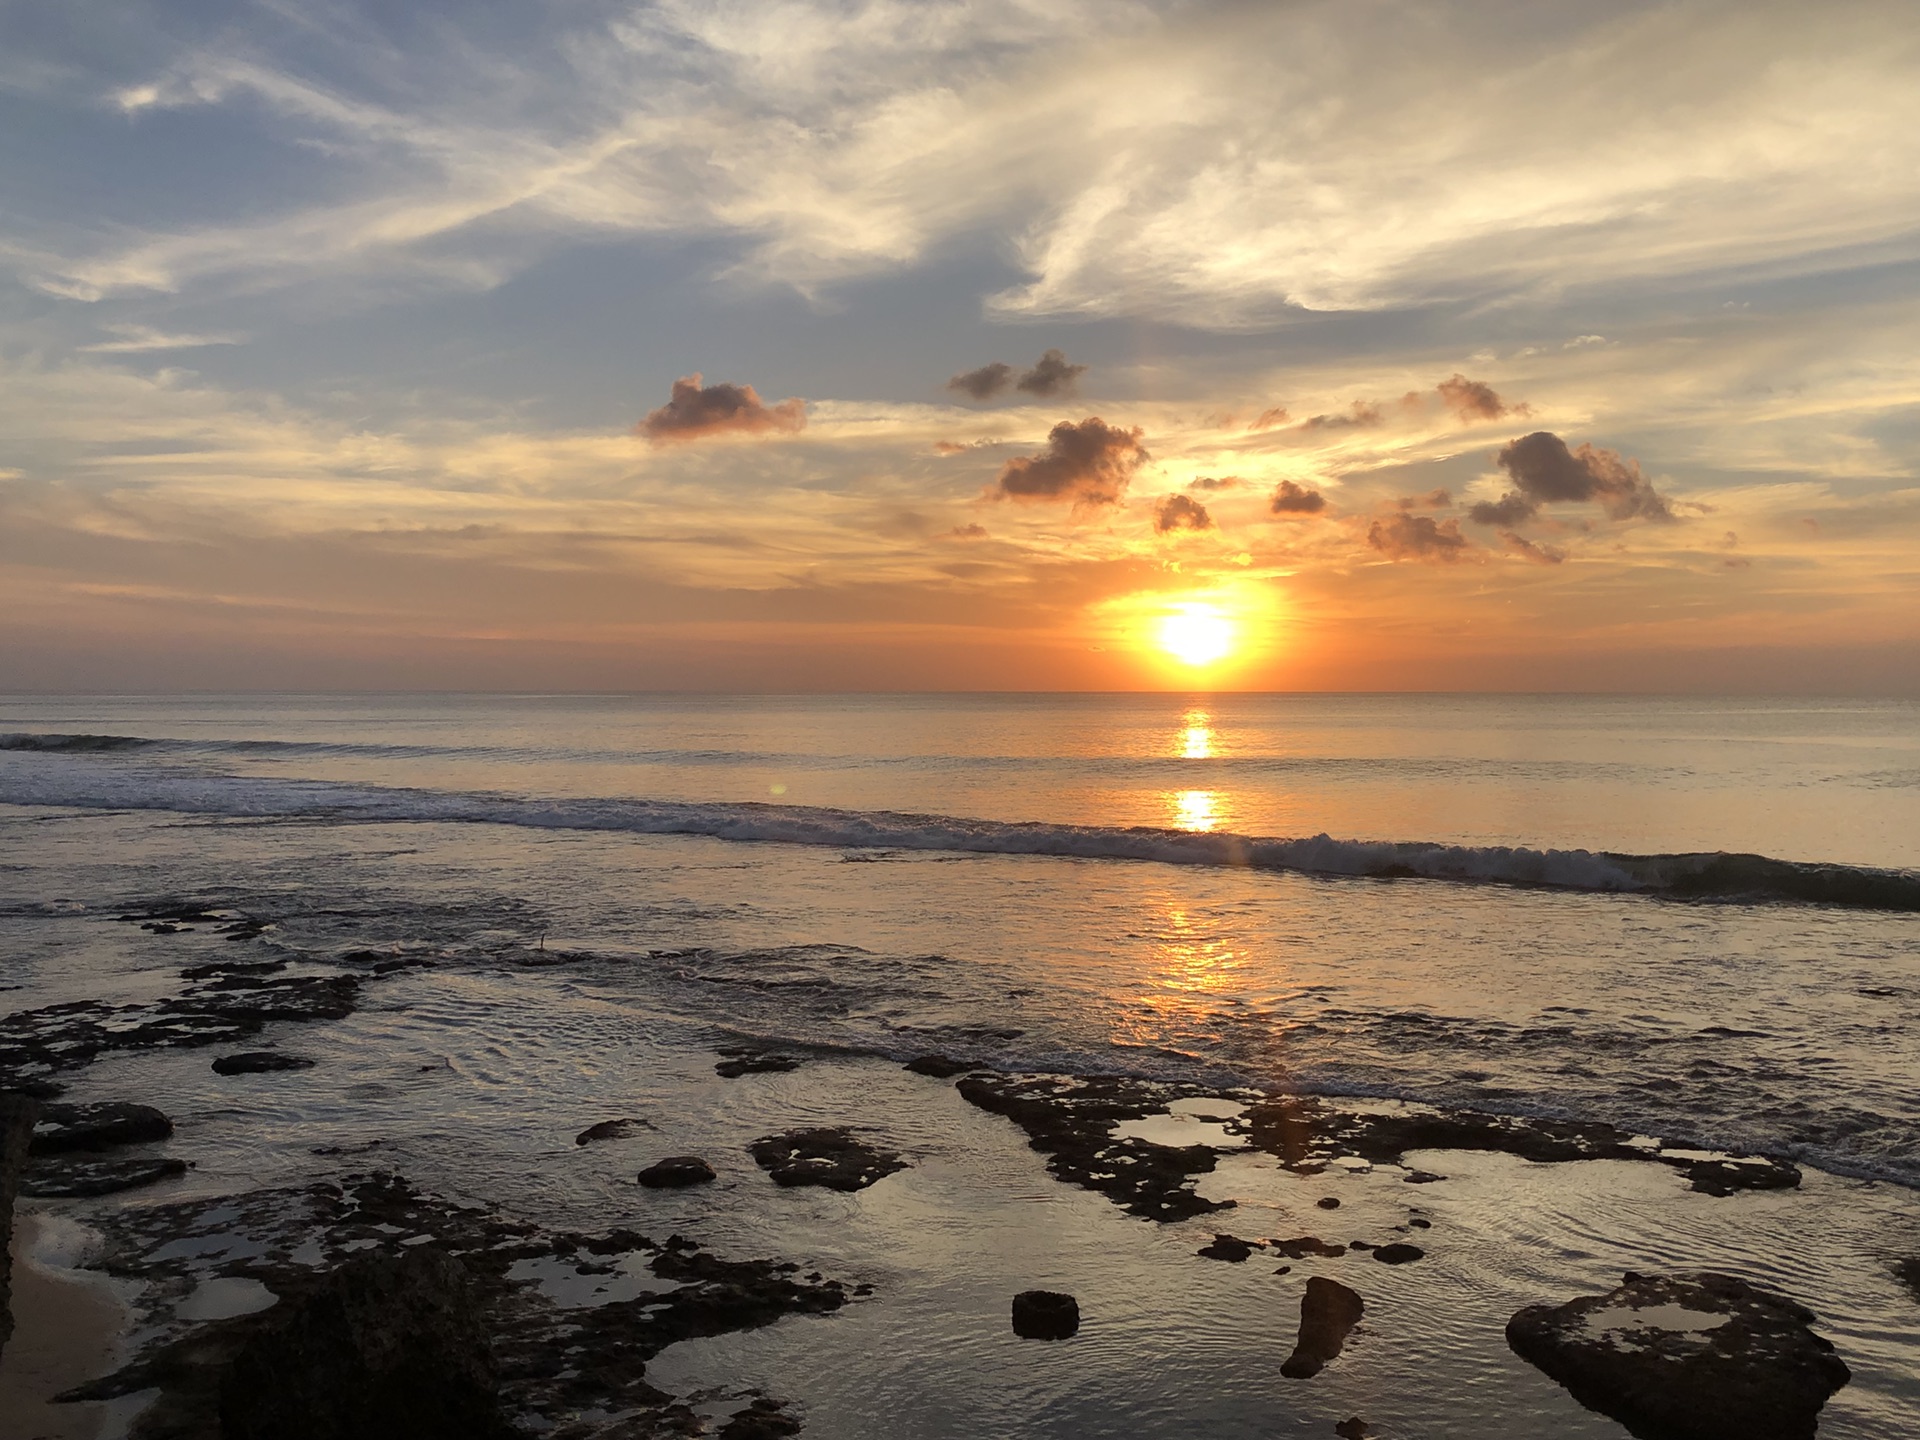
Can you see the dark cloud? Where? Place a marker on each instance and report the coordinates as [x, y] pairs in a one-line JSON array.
[[984, 383], [696, 411], [1360, 415], [1432, 500], [1051, 375], [1210, 482], [1088, 463], [1418, 537], [1544, 470], [1269, 418], [1292, 499], [1509, 509], [1526, 549], [1180, 512], [1475, 400]]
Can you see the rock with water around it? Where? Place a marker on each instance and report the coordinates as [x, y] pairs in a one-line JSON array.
[[1353, 1428], [1228, 1247], [1328, 1312], [1687, 1357], [939, 1067], [1301, 1246], [65, 1128], [1907, 1272], [384, 1348], [611, 1130], [830, 1157], [81, 1176], [260, 1062], [753, 1062], [1045, 1315], [1398, 1253], [763, 1419], [17, 1114], [676, 1172]]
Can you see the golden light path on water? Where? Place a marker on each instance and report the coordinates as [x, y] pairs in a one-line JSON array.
[[1195, 810]]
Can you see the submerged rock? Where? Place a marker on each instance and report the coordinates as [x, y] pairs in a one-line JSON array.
[[829, 1157], [104, 1126], [259, 1062], [940, 1067], [1045, 1315], [1302, 1246], [384, 1348], [17, 1114], [81, 1175], [753, 1062], [1228, 1247], [1328, 1312], [611, 1130], [676, 1172], [1686, 1357]]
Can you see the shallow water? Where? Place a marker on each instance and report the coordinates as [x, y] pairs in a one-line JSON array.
[[587, 973]]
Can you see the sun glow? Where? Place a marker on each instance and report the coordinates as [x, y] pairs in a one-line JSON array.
[[1196, 634]]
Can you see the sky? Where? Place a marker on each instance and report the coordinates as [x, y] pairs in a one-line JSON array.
[[798, 345]]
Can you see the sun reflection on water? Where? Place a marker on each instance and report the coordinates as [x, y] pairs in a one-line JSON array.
[[1194, 810], [1196, 739]]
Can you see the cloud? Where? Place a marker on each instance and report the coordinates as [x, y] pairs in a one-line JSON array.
[[1180, 512], [1089, 463], [140, 339], [696, 411], [967, 532], [1216, 482], [1292, 499], [1050, 375], [1474, 400], [1418, 537], [1546, 471], [1360, 415], [1267, 419], [1432, 500], [1526, 549], [984, 383]]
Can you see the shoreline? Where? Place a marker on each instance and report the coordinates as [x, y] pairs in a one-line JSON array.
[[69, 1328]]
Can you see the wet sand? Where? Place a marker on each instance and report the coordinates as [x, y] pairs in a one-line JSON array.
[[67, 1330]]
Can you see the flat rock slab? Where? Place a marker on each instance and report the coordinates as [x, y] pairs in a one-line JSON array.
[[79, 1175], [65, 1128], [259, 1062], [1687, 1357], [1328, 1313], [676, 1172], [833, 1158]]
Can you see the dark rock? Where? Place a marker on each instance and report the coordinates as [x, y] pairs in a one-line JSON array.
[[1398, 1253], [78, 1174], [17, 1114], [829, 1157], [611, 1130], [1302, 1246], [1328, 1202], [1045, 1315], [259, 1062], [762, 1420], [1328, 1311], [1686, 1357], [1423, 1177], [1227, 1247], [677, 1172], [940, 1067], [1353, 1428], [65, 1128], [1071, 1121], [1420, 1223], [1283, 1269], [1907, 1272], [1745, 1172], [753, 1062], [385, 1348]]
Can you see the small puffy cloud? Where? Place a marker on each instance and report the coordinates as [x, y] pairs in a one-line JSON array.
[[1267, 419], [984, 383], [1431, 500], [1051, 375], [1360, 415], [1180, 512], [1401, 536], [697, 411], [1088, 463], [1527, 550], [1544, 470], [967, 532], [1472, 400], [1292, 499], [1216, 482], [1509, 509]]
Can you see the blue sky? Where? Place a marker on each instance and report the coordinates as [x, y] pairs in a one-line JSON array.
[[326, 329]]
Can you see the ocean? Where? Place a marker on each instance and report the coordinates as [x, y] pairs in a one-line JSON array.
[[1691, 919]]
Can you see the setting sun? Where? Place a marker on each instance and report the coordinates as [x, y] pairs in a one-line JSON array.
[[1196, 635]]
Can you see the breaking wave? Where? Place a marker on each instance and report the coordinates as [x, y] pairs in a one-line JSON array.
[[1712, 875]]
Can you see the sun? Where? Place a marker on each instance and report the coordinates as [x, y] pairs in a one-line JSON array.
[[1196, 634]]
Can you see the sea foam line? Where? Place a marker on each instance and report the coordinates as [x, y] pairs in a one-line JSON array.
[[92, 782]]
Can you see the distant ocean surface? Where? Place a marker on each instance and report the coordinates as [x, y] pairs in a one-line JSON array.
[[1698, 920]]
